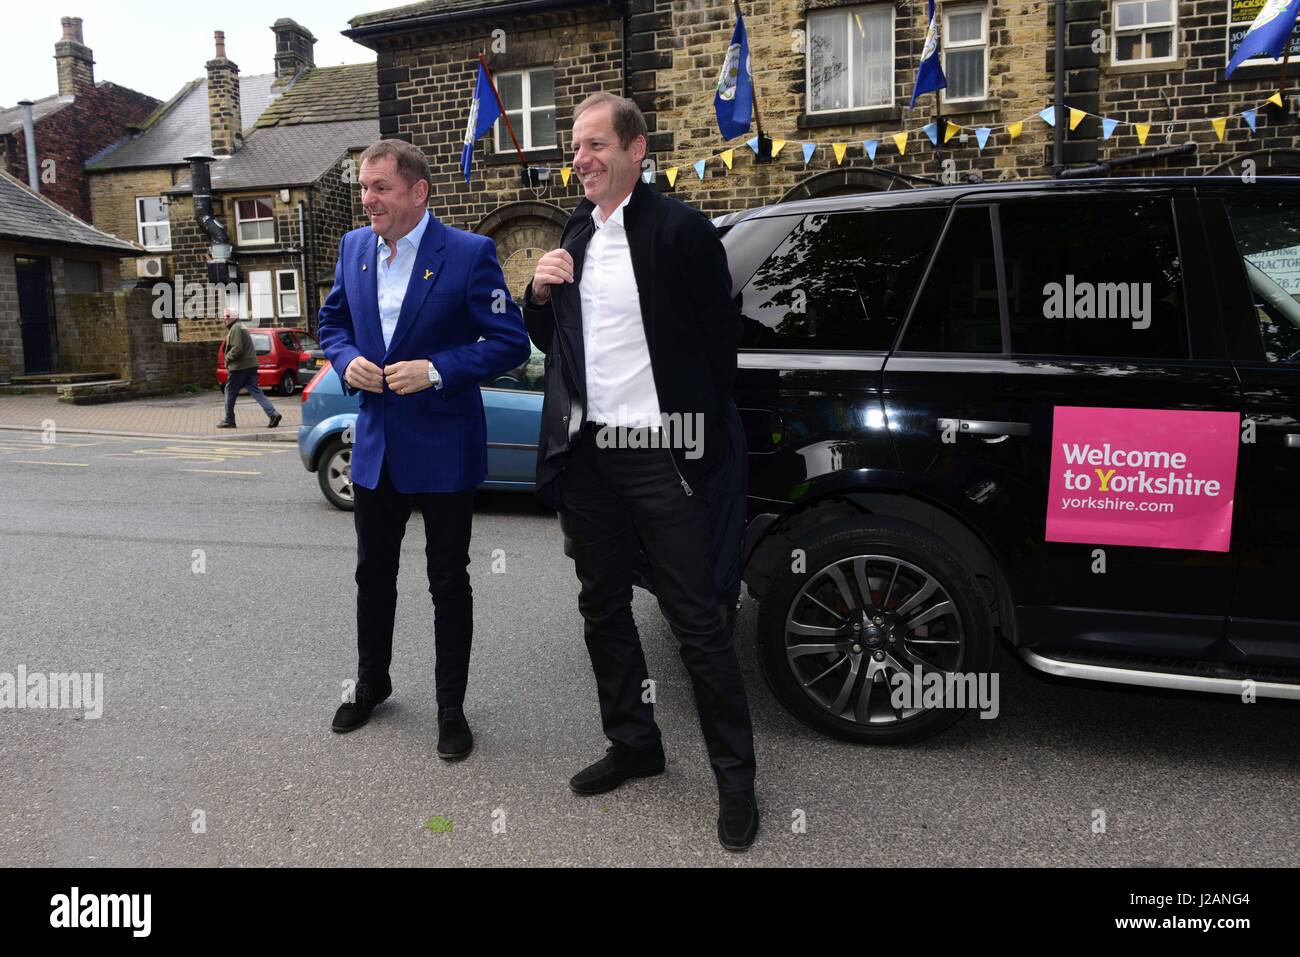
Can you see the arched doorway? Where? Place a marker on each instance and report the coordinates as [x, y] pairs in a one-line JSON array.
[[843, 181], [1266, 163], [522, 232]]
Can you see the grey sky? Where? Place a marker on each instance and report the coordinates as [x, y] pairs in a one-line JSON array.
[[155, 46]]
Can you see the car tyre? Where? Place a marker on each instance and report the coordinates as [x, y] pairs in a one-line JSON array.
[[825, 690], [334, 472], [288, 382]]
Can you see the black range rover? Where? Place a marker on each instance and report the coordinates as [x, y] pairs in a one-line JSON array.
[[910, 364]]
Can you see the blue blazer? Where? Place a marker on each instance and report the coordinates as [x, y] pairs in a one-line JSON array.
[[458, 314]]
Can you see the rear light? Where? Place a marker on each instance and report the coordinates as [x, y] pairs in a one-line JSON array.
[[306, 390]]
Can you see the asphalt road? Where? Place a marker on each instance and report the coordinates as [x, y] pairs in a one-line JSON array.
[[219, 687]]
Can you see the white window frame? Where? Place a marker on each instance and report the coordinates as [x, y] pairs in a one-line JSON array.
[[526, 105], [141, 223], [982, 42], [1227, 47], [847, 13], [239, 221], [1116, 31], [253, 296], [281, 293]]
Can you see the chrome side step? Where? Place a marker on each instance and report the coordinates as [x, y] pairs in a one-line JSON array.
[[1158, 679]]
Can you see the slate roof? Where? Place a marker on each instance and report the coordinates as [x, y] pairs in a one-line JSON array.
[[28, 215], [429, 8], [327, 94], [292, 155], [11, 119], [181, 127]]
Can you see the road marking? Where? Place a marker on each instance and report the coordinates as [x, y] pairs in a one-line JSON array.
[[80, 465], [211, 452], [221, 471]]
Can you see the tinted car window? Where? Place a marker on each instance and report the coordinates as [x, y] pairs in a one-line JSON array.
[[839, 280], [286, 339], [308, 342], [1267, 233], [523, 378], [958, 309], [1094, 277]]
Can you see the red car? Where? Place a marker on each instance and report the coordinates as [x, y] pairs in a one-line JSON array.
[[286, 358]]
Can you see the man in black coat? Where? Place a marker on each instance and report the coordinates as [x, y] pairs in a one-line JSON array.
[[635, 315]]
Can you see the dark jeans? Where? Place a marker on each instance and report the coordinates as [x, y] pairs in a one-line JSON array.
[[614, 500], [241, 379], [380, 516]]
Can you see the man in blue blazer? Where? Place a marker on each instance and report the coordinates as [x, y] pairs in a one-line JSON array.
[[418, 316]]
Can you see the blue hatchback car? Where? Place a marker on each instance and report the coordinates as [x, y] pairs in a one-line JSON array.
[[512, 403]]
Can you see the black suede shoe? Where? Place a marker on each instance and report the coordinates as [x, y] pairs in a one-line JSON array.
[[454, 738], [275, 420], [225, 425], [351, 716], [737, 821], [618, 765]]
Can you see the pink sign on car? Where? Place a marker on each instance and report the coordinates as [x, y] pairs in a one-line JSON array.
[[1151, 477]]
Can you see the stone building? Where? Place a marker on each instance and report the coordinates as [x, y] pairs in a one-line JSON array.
[[71, 126], [837, 74]]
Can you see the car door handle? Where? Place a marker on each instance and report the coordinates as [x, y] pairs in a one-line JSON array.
[[984, 427]]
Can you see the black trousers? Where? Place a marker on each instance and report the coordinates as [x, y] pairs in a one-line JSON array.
[[380, 516], [614, 500]]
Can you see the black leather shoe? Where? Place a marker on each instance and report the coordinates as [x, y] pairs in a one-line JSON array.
[[618, 765], [275, 420], [351, 716], [737, 821], [225, 425], [454, 738]]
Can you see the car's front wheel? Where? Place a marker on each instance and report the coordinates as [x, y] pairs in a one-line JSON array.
[[335, 474], [855, 607]]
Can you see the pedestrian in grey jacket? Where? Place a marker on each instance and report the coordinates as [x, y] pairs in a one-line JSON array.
[[241, 364]]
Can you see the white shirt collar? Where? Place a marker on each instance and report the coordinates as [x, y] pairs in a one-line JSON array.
[[616, 216], [413, 238]]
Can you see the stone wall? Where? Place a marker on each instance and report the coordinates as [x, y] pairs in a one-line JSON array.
[[112, 202]]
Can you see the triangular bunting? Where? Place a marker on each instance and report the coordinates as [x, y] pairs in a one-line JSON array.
[[776, 147], [982, 136], [952, 130], [1108, 127], [1048, 116], [1142, 130], [840, 149], [900, 140], [752, 143], [870, 147], [727, 157], [1076, 117], [1249, 117], [671, 173], [808, 150], [565, 173], [932, 131], [1220, 124], [1015, 129], [648, 177], [699, 168], [1276, 99]]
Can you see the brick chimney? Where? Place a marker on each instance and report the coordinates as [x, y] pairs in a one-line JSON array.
[[223, 101], [75, 61], [294, 49]]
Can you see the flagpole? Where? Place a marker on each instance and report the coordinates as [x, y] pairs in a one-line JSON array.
[[505, 116], [753, 94]]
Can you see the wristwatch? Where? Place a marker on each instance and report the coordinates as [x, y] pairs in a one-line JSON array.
[[434, 377]]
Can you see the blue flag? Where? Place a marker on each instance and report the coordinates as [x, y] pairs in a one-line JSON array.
[[483, 112], [734, 101], [929, 72], [1268, 34]]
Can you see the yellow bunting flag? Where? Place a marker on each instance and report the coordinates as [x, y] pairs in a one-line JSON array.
[[1076, 117], [776, 147], [1142, 130], [839, 153], [565, 173], [1015, 129], [671, 173], [1219, 125], [727, 156], [1276, 99], [950, 131], [900, 140]]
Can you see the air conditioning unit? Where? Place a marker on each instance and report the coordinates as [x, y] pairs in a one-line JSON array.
[[149, 267]]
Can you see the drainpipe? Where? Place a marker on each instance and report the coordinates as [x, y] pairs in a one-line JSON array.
[[220, 267], [1058, 130], [29, 136], [304, 304]]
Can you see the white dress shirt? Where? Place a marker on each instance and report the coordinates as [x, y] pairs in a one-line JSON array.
[[620, 382], [394, 278]]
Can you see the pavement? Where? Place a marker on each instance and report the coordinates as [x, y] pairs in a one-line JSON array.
[[163, 417]]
